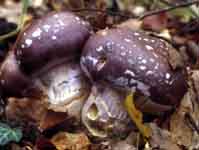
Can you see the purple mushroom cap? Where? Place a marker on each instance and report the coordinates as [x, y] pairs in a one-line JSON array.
[[55, 37], [133, 60], [47, 42]]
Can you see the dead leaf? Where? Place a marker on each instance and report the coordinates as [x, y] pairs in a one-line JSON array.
[[51, 119], [123, 145], [25, 109], [161, 139], [183, 131], [44, 144], [155, 22], [71, 141], [195, 81]]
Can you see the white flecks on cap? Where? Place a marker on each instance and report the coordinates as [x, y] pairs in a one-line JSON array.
[[127, 40], [130, 73], [56, 16], [161, 45], [22, 46], [122, 47], [19, 52], [92, 59], [145, 39], [83, 23], [109, 44], [37, 33], [56, 30], [149, 72], [28, 42], [139, 57], [142, 67], [154, 54], [46, 27], [103, 33], [151, 60], [77, 18], [54, 37], [144, 61], [136, 33], [99, 49], [123, 53], [167, 75], [152, 41], [148, 47], [139, 38], [61, 22], [156, 66]]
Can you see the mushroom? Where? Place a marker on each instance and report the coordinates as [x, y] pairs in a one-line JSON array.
[[44, 62], [134, 61], [103, 114]]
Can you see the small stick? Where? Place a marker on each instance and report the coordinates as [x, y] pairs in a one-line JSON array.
[[168, 9], [150, 13], [102, 11], [192, 122]]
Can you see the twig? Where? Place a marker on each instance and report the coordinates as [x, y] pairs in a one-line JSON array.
[[103, 11], [168, 8], [192, 122], [150, 13]]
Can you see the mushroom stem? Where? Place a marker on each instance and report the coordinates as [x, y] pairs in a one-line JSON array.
[[136, 116]]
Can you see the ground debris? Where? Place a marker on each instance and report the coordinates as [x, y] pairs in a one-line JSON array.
[[161, 139], [71, 141], [184, 122]]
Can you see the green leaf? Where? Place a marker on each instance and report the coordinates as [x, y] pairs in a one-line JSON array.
[[8, 134]]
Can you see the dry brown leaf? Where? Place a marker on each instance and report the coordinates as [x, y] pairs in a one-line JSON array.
[[71, 141], [183, 131], [123, 145], [51, 119], [156, 22], [161, 139], [195, 81], [25, 109]]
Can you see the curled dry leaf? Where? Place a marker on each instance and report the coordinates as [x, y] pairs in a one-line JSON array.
[[71, 141], [184, 131]]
